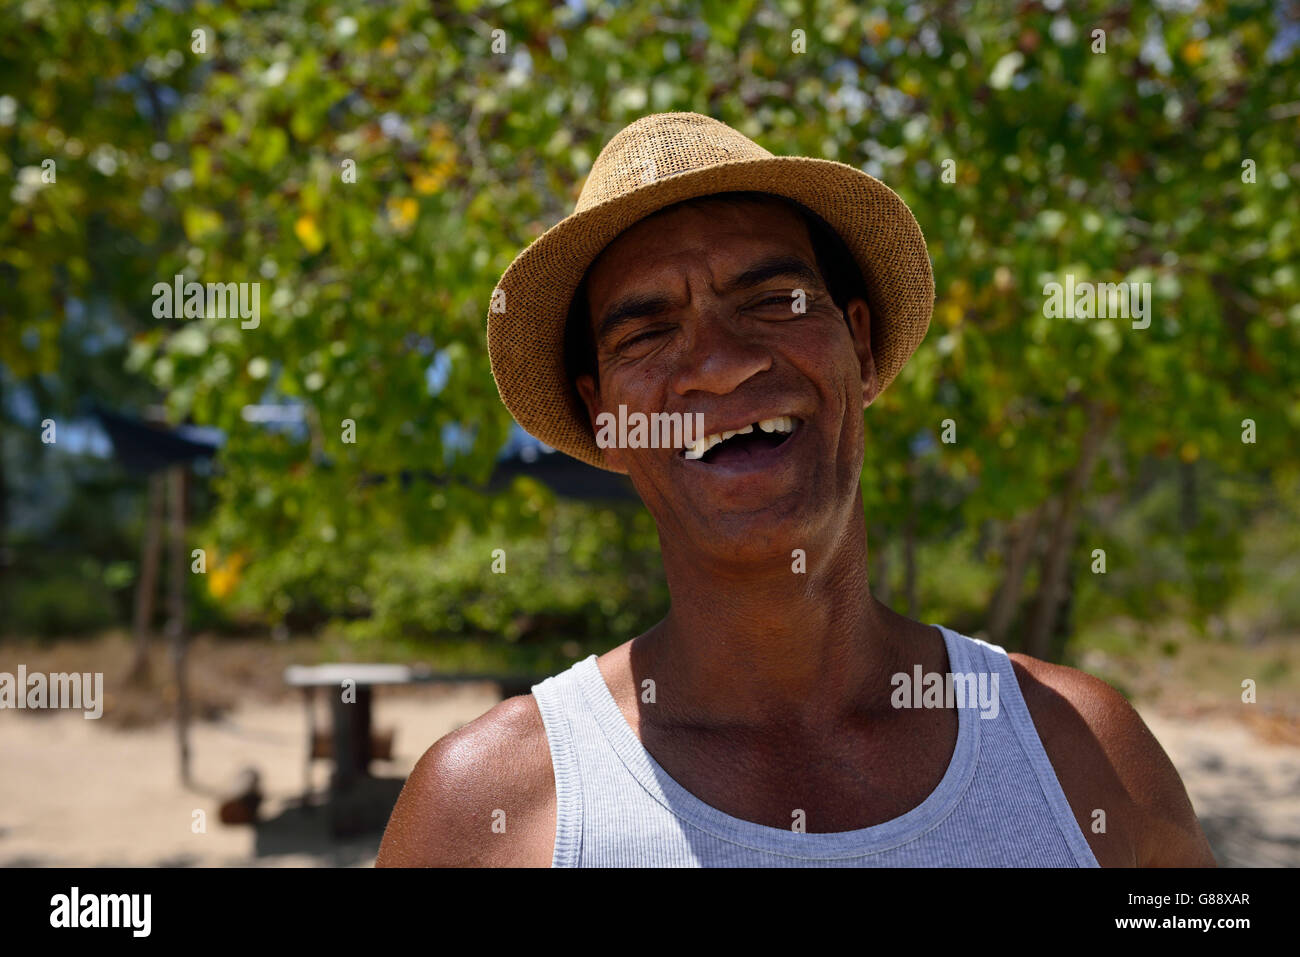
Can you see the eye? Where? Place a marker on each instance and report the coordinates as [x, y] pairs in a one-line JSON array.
[[640, 337], [783, 301]]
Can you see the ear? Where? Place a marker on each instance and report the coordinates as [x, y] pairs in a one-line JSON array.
[[859, 318], [590, 393]]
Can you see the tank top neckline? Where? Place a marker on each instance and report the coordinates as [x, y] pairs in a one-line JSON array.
[[818, 845]]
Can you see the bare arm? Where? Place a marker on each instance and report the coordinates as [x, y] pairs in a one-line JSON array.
[[1107, 759], [483, 796]]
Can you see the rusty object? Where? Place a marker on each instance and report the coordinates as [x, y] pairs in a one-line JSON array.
[[381, 744], [243, 799]]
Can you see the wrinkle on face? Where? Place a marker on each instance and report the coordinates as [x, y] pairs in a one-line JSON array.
[[691, 310]]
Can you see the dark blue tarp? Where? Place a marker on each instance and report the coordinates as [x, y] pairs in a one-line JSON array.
[[145, 447]]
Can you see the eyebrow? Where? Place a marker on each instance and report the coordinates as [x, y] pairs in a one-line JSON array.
[[628, 309], [774, 267], [638, 306]]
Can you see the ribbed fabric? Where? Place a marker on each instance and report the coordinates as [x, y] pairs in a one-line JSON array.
[[998, 805]]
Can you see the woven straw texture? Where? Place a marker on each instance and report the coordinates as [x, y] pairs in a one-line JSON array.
[[655, 162]]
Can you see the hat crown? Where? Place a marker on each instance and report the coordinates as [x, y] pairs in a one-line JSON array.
[[662, 145]]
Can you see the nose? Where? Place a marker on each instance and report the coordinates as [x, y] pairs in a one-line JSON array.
[[719, 356]]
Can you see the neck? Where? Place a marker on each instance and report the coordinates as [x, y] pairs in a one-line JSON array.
[[773, 647]]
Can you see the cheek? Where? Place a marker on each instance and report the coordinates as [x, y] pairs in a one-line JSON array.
[[639, 389], [646, 378], [833, 368], [630, 386]]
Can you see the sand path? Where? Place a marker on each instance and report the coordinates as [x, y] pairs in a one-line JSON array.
[[79, 792]]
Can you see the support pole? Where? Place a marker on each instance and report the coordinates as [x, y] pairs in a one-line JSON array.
[[176, 625], [146, 586]]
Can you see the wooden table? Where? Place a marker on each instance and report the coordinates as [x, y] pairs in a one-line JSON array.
[[348, 805]]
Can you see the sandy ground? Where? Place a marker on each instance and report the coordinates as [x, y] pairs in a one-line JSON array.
[[1244, 785], [79, 792]]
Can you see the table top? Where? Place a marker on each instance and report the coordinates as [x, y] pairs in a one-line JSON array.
[[333, 675], [366, 675]]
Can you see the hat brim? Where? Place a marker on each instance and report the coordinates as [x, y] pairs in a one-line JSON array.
[[526, 337]]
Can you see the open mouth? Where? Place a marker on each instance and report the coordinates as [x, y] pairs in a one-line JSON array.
[[740, 445]]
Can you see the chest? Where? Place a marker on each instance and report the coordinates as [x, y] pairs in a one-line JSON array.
[[834, 781]]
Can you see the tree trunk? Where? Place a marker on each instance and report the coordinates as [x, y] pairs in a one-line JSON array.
[[1022, 535], [147, 585], [1051, 585], [176, 625], [1187, 495]]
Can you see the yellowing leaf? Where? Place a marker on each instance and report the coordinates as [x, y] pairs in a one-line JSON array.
[[431, 180], [308, 233], [224, 573], [201, 166], [402, 213], [441, 147], [200, 223]]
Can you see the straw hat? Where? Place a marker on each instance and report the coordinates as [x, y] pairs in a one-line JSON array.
[[655, 162]]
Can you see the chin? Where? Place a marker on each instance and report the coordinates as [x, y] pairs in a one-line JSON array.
[[758, 537]]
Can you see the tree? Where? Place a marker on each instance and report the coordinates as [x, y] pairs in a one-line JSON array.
[[374, 168]]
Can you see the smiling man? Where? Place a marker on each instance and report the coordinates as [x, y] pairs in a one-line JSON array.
[[778, 715]]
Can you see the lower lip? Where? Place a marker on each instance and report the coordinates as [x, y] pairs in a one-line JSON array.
[[761, 461]]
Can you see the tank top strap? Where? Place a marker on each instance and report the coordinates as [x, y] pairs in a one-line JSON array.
[[1015, 714], [559, 697]]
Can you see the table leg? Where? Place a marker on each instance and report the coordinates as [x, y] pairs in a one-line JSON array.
[[351, 738], [309, 699], [348, 804]]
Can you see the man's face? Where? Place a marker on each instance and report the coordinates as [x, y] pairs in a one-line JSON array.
[[693, 310]]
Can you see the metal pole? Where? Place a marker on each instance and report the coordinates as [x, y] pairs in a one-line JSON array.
[[176, 625]]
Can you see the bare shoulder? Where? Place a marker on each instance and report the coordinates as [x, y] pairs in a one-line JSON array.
[[482, 796], [1108, 760]]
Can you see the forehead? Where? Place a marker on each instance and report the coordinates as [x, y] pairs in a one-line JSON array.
[[724, 236]]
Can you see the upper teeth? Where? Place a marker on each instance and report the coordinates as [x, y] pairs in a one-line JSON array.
[[782, 423]]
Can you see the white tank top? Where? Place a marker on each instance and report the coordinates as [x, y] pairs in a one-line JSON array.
[[998, 805]]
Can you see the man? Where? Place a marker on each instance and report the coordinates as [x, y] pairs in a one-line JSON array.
[[778, 715]]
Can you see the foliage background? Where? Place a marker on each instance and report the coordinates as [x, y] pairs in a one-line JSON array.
[[226, 166]]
